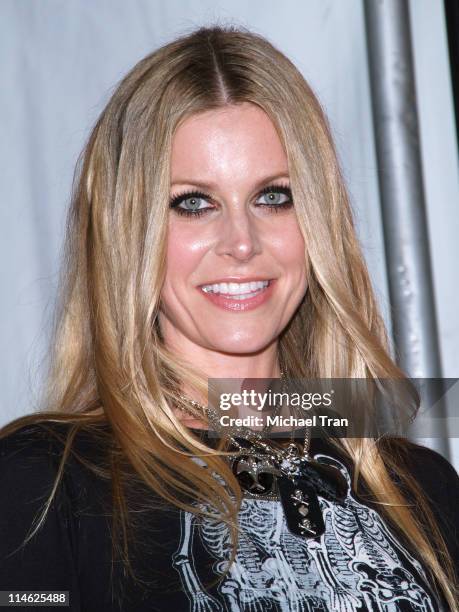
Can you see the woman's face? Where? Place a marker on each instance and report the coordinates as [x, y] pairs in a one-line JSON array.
[[233, 234]]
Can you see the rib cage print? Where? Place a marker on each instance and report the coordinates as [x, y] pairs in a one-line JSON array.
[[356, 565]]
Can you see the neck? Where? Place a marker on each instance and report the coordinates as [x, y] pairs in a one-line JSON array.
[[221, 366]]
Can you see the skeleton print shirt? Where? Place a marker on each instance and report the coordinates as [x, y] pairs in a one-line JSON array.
[[360, 563]]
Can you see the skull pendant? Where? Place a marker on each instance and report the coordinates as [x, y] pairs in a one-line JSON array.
[[257, 476]]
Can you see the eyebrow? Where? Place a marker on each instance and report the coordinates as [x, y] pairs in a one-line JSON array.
[[213, 186]]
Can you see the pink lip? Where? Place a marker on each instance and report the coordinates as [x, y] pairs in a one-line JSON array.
[[240, 305]]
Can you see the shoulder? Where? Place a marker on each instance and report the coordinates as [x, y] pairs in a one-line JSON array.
[[438, 482], [28, 470], [32, 437], [27, 451], [53, 465], [41, 507], [50, 436], [432, 472], [43, 438], [32, 455]]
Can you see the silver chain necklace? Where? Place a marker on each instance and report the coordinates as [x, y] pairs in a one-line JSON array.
[[268, 471]]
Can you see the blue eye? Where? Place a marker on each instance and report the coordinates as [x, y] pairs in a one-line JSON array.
[[276, 198], [193, 199]]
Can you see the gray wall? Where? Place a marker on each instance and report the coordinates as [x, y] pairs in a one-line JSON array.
[[60, 62]]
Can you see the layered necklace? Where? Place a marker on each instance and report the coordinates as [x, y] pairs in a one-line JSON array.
[[267, 470]]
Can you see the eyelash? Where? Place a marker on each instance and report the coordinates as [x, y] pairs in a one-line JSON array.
[[273, 208]]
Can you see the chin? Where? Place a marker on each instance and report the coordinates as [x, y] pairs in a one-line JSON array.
[[242, 346]]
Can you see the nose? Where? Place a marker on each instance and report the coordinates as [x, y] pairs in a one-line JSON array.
[[238, 236]]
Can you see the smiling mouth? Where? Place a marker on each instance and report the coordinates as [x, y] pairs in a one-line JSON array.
[[237, 291], [239, 297]]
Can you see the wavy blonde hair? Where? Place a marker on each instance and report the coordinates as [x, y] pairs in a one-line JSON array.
[[109, 362]]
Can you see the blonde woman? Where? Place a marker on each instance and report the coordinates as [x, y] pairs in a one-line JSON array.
[[210, 236]]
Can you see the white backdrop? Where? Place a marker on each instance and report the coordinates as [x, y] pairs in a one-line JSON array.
[[60, 60]]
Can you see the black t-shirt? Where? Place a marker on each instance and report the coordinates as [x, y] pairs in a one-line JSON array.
[[359, 563]]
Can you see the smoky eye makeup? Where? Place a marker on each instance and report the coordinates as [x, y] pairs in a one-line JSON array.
[[194, 196], [275, 190], [277, 198]]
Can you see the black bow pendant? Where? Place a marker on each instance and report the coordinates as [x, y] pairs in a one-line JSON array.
[[326, 480]]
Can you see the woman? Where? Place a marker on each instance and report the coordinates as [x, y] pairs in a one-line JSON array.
[[211, 168]]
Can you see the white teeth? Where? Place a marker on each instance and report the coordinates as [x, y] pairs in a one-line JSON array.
[[236, 289], [246, 296]]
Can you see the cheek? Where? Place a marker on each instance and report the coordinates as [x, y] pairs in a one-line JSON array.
[[183, 253], [290, 249]]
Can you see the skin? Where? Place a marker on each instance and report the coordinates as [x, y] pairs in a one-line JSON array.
[[235, 152]]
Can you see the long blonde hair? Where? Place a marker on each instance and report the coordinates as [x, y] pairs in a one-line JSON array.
[[109, 362]]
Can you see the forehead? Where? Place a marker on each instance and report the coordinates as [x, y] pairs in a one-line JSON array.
[[236, 141]]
